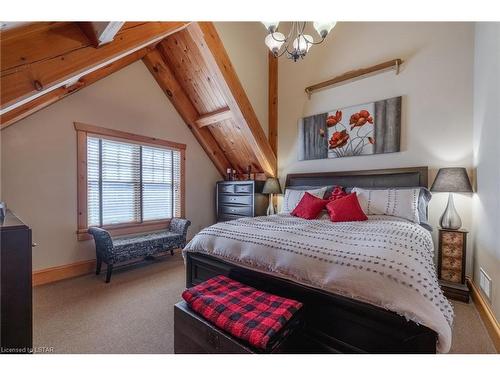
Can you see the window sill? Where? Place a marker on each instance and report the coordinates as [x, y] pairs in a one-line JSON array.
[[123, 229]]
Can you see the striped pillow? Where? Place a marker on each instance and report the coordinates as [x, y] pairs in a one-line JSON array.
[[392, 202]]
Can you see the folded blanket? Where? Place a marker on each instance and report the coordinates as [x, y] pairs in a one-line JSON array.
[[246, 313]]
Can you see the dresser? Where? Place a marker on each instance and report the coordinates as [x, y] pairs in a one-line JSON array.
[[16, 304], [237, 199], [451, 263]]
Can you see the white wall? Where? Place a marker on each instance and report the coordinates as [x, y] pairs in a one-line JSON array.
[[244, 43], [487, 156], [435, 82], [39, 159]]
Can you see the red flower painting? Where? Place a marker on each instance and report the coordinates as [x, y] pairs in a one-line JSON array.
[[338, 139], [344, 141]]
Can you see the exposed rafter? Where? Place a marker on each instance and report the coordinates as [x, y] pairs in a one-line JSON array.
[[217, 60], [214, 117], [100, 33], [167, 81], [55, 54]]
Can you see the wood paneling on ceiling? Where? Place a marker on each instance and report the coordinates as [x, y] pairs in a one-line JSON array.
[[189, 63]]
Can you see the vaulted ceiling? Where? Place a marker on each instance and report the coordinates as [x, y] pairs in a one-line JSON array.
[[44, 62]]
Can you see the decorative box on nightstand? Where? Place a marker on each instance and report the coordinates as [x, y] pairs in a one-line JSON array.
[[451, 263]]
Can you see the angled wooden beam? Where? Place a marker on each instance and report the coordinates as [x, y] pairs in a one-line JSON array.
[[216, 58], [53, 96], [169, 84], [100, 33], [29, 74], [273, 103], [214, 117]]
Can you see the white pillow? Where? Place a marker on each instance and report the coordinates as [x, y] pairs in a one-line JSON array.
[[393, 202], [293, 197]]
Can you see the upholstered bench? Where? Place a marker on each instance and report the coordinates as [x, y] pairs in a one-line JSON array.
[[115, 250]]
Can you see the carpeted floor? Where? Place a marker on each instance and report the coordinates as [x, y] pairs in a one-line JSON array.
[[134, 313]]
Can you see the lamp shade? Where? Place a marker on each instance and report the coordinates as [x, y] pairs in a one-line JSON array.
[[272, 186], [452, 180]]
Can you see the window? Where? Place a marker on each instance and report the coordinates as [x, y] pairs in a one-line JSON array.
[[130, 183]]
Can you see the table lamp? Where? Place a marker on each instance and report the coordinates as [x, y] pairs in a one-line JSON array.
[[451, 180], [271, 187]]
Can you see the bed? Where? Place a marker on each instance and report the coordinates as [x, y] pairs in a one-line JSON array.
[[367, 287]]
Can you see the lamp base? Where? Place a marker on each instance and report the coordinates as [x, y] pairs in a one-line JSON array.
[[270, 207], [450, 219]]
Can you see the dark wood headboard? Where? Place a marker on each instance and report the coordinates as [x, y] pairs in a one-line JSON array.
[[395, 177]]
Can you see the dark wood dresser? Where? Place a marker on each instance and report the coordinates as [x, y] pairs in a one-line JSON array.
[[15, 266], [237, 199]]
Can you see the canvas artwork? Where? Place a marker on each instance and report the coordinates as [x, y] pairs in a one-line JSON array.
[[365, 129]]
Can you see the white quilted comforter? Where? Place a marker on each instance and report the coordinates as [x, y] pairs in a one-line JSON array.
[[385, 261]]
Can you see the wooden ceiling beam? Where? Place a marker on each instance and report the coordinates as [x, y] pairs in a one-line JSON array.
[[214, 117], [174, 91], [36, 63], [100, 33], [53, 96], [216, 58]]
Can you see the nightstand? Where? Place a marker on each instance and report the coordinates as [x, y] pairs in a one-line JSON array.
[[451, 263]]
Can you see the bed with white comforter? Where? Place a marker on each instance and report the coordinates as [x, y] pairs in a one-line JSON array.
[[385, 261]]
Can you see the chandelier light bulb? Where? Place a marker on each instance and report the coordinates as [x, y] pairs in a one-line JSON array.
[[302, 43], [271, 26], [274, 41], [323, 28]]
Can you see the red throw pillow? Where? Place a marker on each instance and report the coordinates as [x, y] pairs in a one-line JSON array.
[[346, 209], [309, 207], [337, 193]]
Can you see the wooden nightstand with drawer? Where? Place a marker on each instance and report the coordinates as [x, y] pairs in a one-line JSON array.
[[237, 199], [451, 263]]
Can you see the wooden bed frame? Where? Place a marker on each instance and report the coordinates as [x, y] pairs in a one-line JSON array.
[[332, 323]]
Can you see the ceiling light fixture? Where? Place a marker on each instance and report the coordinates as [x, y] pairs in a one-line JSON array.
[[296, 44]]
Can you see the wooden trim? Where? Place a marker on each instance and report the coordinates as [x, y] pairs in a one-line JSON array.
[[354, 75], [217, 60], [53, 96], [79, 126], [81, 168], [82, 131], [166, 79], [214, 117], [53, 274], [489, 319], [273, 103], [53, 58], [129, 228]]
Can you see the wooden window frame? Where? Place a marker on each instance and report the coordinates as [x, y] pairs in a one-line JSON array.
[[82, 132]]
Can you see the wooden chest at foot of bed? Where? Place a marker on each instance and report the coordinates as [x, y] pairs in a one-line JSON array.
[[195, 335]]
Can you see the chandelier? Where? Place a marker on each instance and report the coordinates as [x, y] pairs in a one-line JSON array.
[[296, 44]]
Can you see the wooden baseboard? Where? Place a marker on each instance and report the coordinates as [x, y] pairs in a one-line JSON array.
[[486, 313], [50, 275]]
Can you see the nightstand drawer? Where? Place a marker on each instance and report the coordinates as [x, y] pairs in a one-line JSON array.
[[451, 275], [452, 250], [451, 263], [236, 199], [236, 210]]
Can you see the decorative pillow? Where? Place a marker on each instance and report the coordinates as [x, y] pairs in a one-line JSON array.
[[346, 209], [392, 202], [293, 197], [337, 192], [309, 207]]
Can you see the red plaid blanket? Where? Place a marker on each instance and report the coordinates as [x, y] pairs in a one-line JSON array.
[[244, 312]]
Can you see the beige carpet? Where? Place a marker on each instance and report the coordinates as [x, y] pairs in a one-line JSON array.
[[134, 313]]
